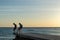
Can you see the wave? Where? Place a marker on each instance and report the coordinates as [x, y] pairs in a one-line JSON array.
[[7, 37]]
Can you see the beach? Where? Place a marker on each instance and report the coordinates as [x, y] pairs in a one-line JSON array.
[[30, 36], [6, 33]]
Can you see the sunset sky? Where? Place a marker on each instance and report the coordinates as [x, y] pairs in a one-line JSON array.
[[31, 13]]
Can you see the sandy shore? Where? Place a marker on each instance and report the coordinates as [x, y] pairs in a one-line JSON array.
[[43, 36], [32, 36]]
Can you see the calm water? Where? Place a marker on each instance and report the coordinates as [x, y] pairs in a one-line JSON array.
[[7, 33]]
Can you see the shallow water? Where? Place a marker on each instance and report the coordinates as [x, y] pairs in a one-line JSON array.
[[7, 33]]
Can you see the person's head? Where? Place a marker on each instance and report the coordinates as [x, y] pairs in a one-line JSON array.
[[13, 23], [19, 23]]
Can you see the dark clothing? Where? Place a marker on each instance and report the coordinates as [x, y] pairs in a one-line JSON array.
[[21, 26], [15, 26]]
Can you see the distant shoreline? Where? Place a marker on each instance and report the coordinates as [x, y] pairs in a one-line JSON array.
[[32, 27]]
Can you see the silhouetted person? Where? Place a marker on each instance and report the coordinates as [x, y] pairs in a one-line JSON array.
[[20, 27], [15, 27]]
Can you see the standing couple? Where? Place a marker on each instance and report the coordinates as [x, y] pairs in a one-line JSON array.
[[17, 29]]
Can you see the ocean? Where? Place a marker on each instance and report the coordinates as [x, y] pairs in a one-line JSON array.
[[6, 33]]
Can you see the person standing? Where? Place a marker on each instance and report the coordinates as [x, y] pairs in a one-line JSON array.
[[15, 27], [20, 27]]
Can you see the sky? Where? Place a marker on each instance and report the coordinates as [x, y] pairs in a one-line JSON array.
[[31, 13]]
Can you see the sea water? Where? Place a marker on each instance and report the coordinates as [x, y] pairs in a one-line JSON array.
[[6, 33]]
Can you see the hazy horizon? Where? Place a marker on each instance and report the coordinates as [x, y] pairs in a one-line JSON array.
[[31, 13]]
